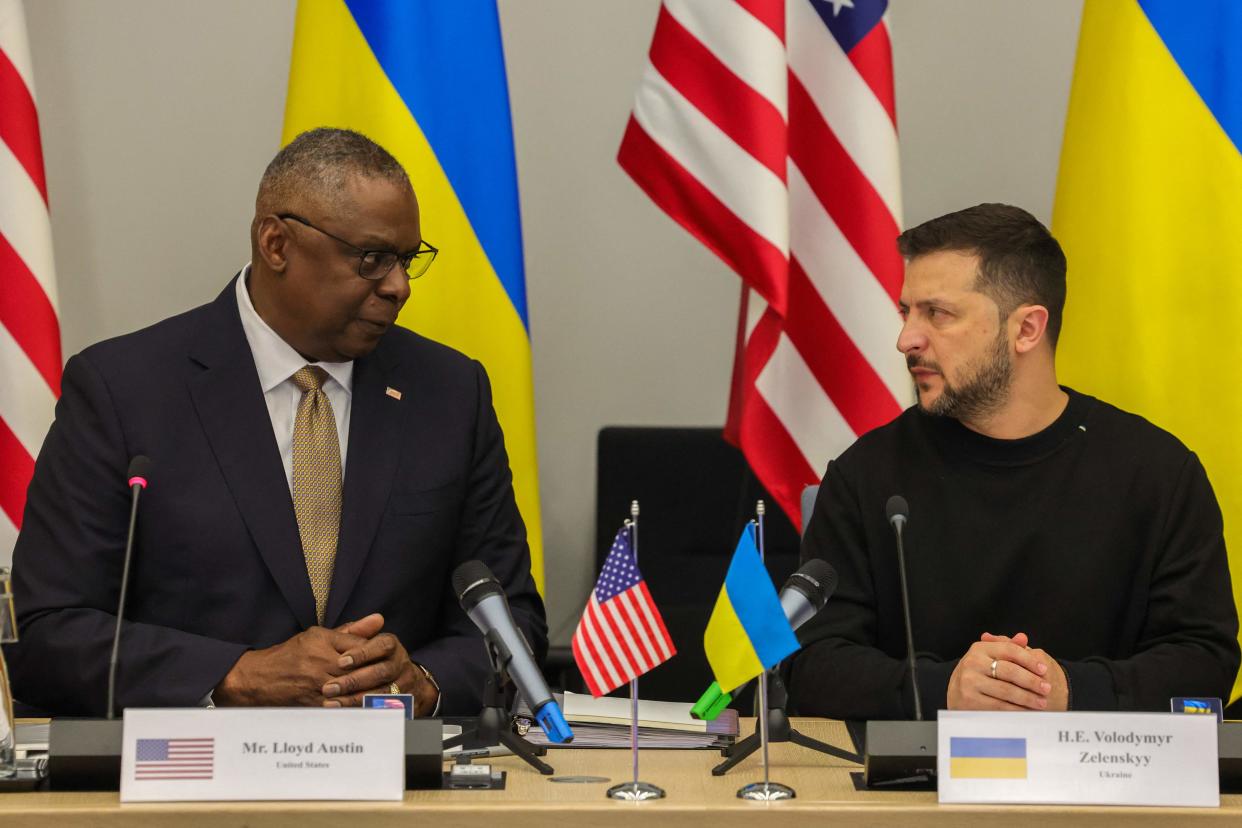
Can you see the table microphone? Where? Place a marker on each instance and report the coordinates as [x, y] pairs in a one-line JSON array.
[[898, 512], [139, 470], [807, 591], [483, 599]]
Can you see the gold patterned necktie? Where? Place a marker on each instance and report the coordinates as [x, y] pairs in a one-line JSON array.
[[316, 481]]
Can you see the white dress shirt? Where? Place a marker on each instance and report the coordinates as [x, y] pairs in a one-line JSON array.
[[277, 362]]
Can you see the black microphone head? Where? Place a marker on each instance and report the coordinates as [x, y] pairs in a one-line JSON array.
[[816, 579], [897, 508], [139, 467], [475, 579]]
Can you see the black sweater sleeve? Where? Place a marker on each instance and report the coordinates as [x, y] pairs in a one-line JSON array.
[[841, 671], [1188, 644]]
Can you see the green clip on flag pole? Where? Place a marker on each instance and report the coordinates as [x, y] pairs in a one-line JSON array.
[[711, 704]]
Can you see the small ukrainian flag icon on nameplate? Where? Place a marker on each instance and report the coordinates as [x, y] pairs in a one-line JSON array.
[[984, 757]]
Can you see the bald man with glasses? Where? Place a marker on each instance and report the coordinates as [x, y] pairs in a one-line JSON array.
[[318, 473]]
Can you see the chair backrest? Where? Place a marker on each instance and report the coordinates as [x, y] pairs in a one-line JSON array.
[[808, 504], [696, 493]]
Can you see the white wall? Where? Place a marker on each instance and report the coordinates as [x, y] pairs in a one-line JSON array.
[[159, 115]]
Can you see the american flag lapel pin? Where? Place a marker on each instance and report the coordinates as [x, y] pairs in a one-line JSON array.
[[392, 392]]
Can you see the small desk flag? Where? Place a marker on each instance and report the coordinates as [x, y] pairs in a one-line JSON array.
[[621, 634], [748, 631]]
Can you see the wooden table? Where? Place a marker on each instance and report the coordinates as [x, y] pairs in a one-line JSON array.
[[826, 796]]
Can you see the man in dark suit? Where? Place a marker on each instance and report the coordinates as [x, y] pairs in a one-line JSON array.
[[318, 473]]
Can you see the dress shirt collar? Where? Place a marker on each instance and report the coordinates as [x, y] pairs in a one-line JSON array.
[[275, 360]]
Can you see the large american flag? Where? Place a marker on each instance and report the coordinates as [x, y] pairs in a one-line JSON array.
[[179, 759], [29, 330], [767, 129], [621, 634]]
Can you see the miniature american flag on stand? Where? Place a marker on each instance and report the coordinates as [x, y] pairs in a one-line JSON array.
[[621, 634], [174, 758]]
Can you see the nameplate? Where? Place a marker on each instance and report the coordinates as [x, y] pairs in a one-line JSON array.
[[198, 754], [1077, 758]]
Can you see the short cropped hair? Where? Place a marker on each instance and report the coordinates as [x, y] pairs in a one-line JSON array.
[[1019, 260], [316, 165]]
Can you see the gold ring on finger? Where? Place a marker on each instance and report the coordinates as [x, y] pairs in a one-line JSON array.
[[393, 689], [994, 663]]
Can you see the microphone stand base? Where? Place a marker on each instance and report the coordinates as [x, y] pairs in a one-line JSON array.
[[494, 727], [766, 792], [635, 791]]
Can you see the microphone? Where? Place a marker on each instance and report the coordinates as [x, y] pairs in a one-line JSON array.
[[139, 470], [483, 599], [898, 513], [807, 590], [803, 595]]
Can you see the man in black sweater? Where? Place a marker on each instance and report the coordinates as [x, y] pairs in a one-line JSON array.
[[1061, 553]]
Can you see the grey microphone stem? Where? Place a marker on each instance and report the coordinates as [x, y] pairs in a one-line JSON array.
[[899, 523], [120, 609]]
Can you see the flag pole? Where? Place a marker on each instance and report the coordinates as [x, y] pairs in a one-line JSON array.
[[634, 790], [767, 789]]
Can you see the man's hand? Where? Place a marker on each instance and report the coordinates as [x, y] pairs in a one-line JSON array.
[[290, 673], [1058, 696], [373, 665], [1019, 682]]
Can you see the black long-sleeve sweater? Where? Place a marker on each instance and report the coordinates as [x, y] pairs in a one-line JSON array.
[[1099, 537]]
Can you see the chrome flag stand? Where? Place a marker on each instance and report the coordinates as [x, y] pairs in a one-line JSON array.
[[634, 790], [767, 790]]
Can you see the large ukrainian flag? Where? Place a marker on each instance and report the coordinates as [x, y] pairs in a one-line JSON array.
[[1149, 210], [426, 79], [748, 631]]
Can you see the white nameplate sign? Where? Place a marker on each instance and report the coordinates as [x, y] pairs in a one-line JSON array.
[[1077, 758], [173, 755]]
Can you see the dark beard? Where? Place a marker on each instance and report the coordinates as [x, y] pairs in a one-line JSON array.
[[983, 391]]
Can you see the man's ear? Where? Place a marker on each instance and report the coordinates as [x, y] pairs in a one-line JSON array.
[[1031, 324], [271, 240]]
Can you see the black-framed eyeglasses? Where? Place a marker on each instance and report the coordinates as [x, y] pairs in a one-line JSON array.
[[374, 265]]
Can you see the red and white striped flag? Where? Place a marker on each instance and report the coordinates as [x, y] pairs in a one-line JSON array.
[[29, 331], [767, 129], [621, 634]]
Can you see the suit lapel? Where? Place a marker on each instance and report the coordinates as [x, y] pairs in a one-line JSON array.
[[374, 434], [230, 406]]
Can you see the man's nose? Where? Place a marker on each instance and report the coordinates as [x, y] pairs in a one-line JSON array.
[[911, 338], [395, 285]]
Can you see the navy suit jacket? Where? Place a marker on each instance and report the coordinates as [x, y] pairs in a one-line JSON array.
[[218, 565]]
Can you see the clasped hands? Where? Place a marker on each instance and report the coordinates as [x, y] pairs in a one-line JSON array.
[[1024, 678], [327, 667]]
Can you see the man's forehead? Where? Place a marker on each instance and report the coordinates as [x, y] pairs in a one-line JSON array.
[[383, 209], [942, 274]]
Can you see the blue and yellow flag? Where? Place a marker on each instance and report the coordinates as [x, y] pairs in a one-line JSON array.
[[987, 758], [748, 631], [426, 80], [1149, 210]]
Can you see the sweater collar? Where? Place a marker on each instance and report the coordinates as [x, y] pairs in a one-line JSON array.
[[961, 442]]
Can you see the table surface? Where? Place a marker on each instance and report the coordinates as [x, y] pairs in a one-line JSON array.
[[826, 794]]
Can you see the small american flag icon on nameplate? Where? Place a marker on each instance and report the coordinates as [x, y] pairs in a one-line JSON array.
[[174, 759]]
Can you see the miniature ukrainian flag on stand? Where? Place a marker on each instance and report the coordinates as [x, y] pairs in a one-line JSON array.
[[426, 80], [748, 632]]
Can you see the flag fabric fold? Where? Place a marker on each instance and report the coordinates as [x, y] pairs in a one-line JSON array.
[[767, 129], [1148, 206], [621, 634], [30, 353], [747, 632], [426, 80]]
